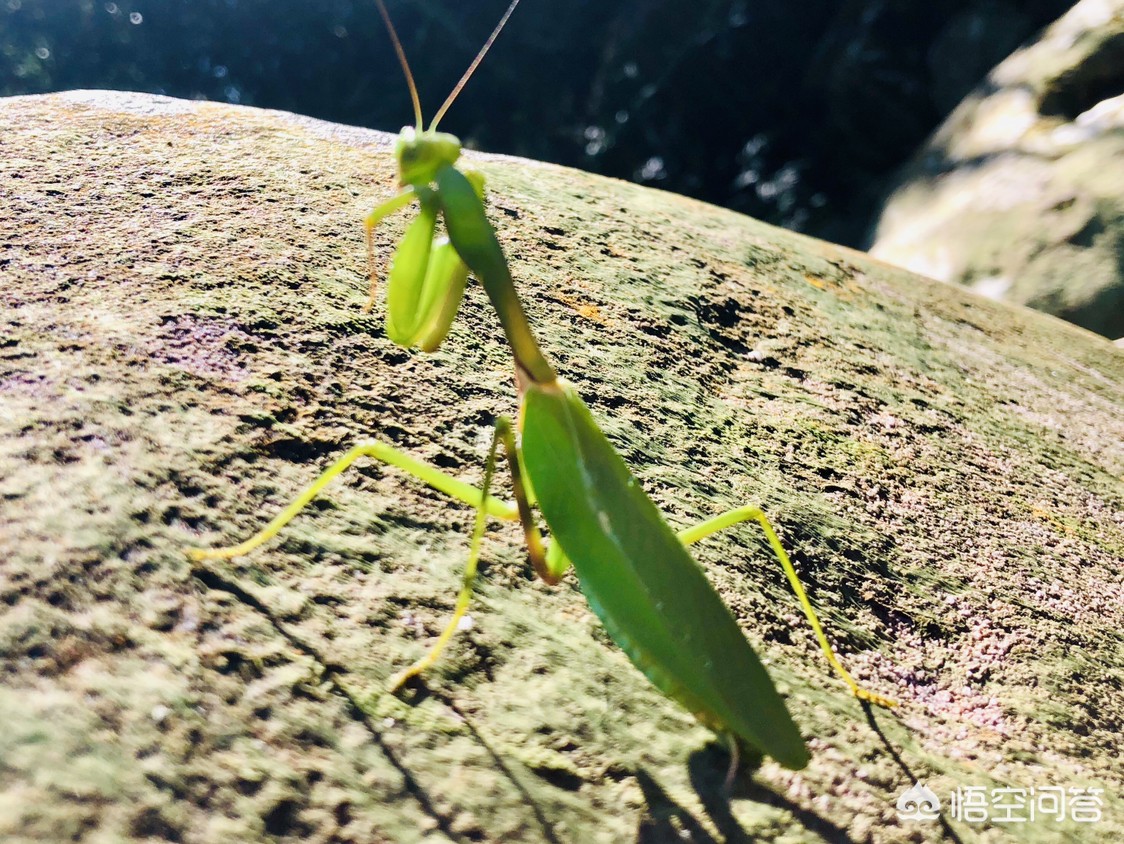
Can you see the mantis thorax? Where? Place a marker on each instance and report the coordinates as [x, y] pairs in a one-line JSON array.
[[421, 154]]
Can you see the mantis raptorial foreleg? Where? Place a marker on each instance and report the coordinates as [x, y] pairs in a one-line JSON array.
[[377, 215], [427, 277]]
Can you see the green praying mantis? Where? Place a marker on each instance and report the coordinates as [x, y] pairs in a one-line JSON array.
[[633, 567]]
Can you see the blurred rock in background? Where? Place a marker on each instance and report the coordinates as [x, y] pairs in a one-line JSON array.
[[795, 114], [1020, 193]]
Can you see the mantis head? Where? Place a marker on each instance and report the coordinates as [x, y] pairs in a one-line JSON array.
[[421, 154]]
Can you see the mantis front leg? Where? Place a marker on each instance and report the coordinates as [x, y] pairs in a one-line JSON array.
[[426, 281], [377, 215], [427, 278]]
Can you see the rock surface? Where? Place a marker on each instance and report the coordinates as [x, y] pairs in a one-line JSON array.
[[183, 348], [1020, 193]]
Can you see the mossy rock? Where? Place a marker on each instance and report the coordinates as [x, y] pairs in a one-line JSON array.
[[184, 348]]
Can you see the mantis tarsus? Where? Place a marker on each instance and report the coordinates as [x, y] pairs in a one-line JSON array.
[[653, 599]]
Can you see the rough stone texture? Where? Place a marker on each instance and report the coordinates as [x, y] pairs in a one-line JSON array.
[[183, 348], [1020, 193]]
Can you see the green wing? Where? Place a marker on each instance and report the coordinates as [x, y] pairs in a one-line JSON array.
[[649, 593]]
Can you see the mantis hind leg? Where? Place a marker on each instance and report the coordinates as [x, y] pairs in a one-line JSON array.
[[750, 513]]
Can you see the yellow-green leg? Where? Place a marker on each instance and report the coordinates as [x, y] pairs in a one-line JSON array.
[[469, 578], [485, 504], [379, 451], [504, 433], [749, 513]]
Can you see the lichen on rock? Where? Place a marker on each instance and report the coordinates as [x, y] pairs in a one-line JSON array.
[[183, 348]]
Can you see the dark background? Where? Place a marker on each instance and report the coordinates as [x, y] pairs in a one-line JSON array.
[[794, 111]]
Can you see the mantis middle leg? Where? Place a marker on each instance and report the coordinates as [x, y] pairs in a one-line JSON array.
[[486, 505], [386, 454], [722, 521]]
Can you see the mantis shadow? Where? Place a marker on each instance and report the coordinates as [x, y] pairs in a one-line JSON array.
[[946, 827], [423, 691], [666, 821], [707, 767], [334, 673]]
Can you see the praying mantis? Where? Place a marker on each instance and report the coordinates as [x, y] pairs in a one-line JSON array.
[[635, 570]]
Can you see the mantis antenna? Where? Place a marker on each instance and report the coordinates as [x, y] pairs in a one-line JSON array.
[[405, 64], [463, 80], [472, 67]]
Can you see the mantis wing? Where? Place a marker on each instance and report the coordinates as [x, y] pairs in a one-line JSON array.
[[653, 599]]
